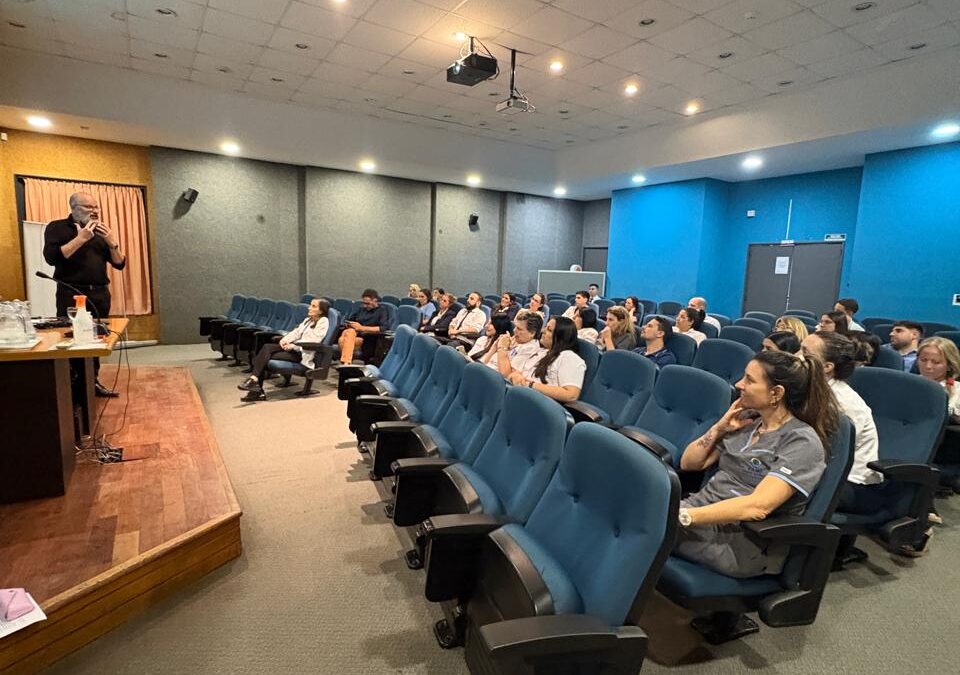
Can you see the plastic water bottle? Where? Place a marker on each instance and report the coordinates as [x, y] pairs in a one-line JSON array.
[[83, 333]]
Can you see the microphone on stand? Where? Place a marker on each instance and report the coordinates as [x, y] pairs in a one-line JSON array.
[[96, 312]]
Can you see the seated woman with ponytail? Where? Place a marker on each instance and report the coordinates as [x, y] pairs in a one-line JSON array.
[[769, 450], [559, 372]]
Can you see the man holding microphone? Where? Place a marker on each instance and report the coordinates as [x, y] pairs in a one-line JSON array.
[[79, 248]]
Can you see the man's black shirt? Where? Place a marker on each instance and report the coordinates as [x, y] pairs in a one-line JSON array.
[[87, 266]]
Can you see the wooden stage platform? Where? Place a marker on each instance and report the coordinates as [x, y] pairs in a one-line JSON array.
[[125, 535]]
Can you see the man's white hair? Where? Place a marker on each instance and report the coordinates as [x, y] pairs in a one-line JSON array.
[[74, 198]]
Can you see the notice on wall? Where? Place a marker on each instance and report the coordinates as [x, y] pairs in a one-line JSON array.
[[782, 265]]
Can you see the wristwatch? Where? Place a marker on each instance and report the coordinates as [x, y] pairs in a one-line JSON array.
[[686, 520]]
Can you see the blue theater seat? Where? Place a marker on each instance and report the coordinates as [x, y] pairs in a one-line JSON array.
[[247, 312], [669, 308], [770, 319], [888, 357], [723, 319], [590, 354], [623, 383], [247, 335], [709, 330], [233, 311], [392, 299], [558, 306], [751, 322], [288, 369], [745, 335], [952, 335], [683, 347], [408, 315], [406, 301], [869, 322], [230, 338], [724, 358], [801, 313], [366, 374], [649, 306]]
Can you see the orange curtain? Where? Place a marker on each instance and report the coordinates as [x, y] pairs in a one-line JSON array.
[[121, 208]]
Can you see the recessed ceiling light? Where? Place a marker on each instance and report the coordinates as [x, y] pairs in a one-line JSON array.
[[276, 79], [459, 36], [302, 45], [692, 108], [556, 66], [230, 147], [917, 45], [568, 141], [946, 130], [446, 116], [559, 191], [623, 126], [481, 124], [752, 162], [513, 129], [563, 111], [631, 89], [784, 83], [339, 2], [863, 6], [473, 180], [119, 15], [14, 24], [160, 55], [409, 72], [638, 178], [368, 165], [725, 55], [166, 11], [84, 127], [647, 21], [493, 93], [39, 122]]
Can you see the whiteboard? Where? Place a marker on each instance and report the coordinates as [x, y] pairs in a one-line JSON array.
[[567, 282], [42, 293]]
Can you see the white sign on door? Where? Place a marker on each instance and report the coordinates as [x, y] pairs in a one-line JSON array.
[[782, 265]]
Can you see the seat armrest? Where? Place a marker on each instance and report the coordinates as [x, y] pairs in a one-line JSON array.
[[585, 412], [373, 399], [452, 547], [637, 435], [792, 530], [460, 524], [533, 644], [420, 465], [907, 472], [393, 427], [310, 346]]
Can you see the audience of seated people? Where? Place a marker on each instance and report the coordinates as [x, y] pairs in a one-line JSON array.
[[558, 372], [580, 300], [833, 322], [438, 324], [781, 341], [793, 325], [485, 346], [312, 329], [938, 359], [586, 323], [655, 334], [413, 291], [701, 304], [537, 301], [634, 309], [467, 324], [425, 304], [770, 452], [363, 327], [619, 333], [594, 291], [905, 338], [437, 294], [849, 306], [508, 307], [689, 320], [521, 351]]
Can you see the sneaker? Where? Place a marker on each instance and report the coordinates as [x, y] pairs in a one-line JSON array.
[[934, 518], [249, 384], [915, 550], [254, 395]]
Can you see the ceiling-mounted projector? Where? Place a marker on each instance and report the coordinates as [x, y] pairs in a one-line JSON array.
[[473, 67], [517, 102]]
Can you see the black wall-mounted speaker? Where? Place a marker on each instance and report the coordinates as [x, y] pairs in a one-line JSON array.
[[473, 222], [190, 195]]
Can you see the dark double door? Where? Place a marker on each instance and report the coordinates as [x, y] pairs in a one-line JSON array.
[[792, 276]]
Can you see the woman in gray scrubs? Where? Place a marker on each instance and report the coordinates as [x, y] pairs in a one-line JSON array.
[[769, 448]]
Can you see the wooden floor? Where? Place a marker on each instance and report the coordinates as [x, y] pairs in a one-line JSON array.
[[124, 535]]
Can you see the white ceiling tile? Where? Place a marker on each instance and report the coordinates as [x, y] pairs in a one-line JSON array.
[[378, 38], [768, 64], [551, 25], [675, 70], [561, 88], [824, 47], [894, 26], [788, 80], [741, 16], [408, 16], [286, 40], [736, 95], [569, 60], [148, 51], [706, 84], [354, 8], [104, 41], [429, 95], [528, 78], [90, 13], [216, 80], [408, 70], [333, 72], [25, 12], [357, 57], [848, 63], [274, 59], [664, 15], [598, 74], [595, 10], [261, 10], [236, 27], [948, 9], [644, 84], [273, 77], [597, 98], [791, 30], [841, 13], [445, 29], [316, 21], [691, 36], [98, 56], [556, 111], [314, 100], [268, 91], [162, 33], [668, 97], [700, 6], [497, 12], [213, 64], [598, 42], [231, 49], [389, 85], [521, 44], [639, 56], [165, 69], [739, 49], [597, 118], [189, 14], [941, 37], [431, 53]]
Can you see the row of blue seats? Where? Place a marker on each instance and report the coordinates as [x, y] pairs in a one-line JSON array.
[[453, 451]]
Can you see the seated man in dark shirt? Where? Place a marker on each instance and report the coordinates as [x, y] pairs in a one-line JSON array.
[[655, 333], [363, 327]]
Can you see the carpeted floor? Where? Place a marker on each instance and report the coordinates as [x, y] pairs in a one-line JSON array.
[[320, 587]]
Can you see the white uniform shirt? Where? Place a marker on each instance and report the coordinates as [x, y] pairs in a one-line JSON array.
[[697, 336], [570, 311], [523, 358], [713, 322], [566, 371], [867, 442], [307, 333], [953, 401], [854, 326], [590, 335], [469, 321]]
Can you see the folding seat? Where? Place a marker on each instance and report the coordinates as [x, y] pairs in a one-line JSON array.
[[406, 301], [506, 479], [344, 306], [618, 301], [590, 354], [888, 357], [229, 340], [810, 322], [490, 304], [359, 378], [247, 312], [457, 436], [236, 305], [391, 314], [685, 403], [486, 310], [595, 307], [462, 299], [428, 403], [558, 307], [672, 320], [683, 347], [562, 592], [649, 306], [800, 312], [669, 308], [871, 321], [556, 296], [932, 327], [724, 358], [709, 330], [882, 331], [953, 335], [623, 383], [760, 324], [570, 297], [246, 335], [492, 298], [392, 299], [408, 315], [745, 335], [722, 318], [910, 413], [307, 298], [770, 319], [603, 306], [321, 366], [791, 598]]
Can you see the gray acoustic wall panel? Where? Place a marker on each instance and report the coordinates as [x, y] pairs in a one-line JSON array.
[[365, 230], [541, 234], [240, 236], [596, 223], [466, 259]]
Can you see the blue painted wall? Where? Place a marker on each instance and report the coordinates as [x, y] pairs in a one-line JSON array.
[[906, 261]]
